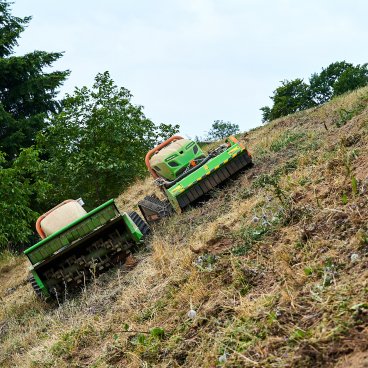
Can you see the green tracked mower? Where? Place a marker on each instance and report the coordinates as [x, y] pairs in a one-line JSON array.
[[77, 245], [185, 173]]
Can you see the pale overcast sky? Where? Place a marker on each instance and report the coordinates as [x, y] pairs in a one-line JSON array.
[[195, 61]]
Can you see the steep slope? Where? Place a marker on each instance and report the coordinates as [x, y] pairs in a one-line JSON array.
[[272, 268]]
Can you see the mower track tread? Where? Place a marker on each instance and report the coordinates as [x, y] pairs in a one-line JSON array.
[[35, 286], [142, 226], [153, 209]]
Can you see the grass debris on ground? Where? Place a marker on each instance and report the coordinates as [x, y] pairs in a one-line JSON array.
[[271, 271]]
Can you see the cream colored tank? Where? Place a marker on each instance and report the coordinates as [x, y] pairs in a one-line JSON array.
[[169, 150], [62, 216]]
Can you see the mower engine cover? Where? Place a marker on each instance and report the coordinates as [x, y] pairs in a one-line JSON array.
[[173, 160], [61, 216]]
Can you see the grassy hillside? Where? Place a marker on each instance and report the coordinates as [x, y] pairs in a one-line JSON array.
[[274, 266]]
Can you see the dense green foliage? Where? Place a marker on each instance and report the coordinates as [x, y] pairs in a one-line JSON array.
[[221, 129], [351, 78], [290, 97], [22, 191], [296, 95], [27, 93], [322, 84], [92, 143], [27, 98], [97, 144]]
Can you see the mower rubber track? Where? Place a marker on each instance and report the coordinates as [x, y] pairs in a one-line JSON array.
[[142, 226], [35, 286], [154, 209]]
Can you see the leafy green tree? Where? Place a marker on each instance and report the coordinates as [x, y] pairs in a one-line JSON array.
[[97, 144], [266, 113], [290, 97], [295, 95], [27, 92], [352, 78], [322, 84], [221, 129], [22, 189]]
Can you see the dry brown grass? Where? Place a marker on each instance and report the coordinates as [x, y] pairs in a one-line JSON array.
[[280, 279], [129, 199]]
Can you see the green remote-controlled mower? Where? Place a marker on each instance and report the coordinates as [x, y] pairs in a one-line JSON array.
[[185, 173], [77, 245]]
